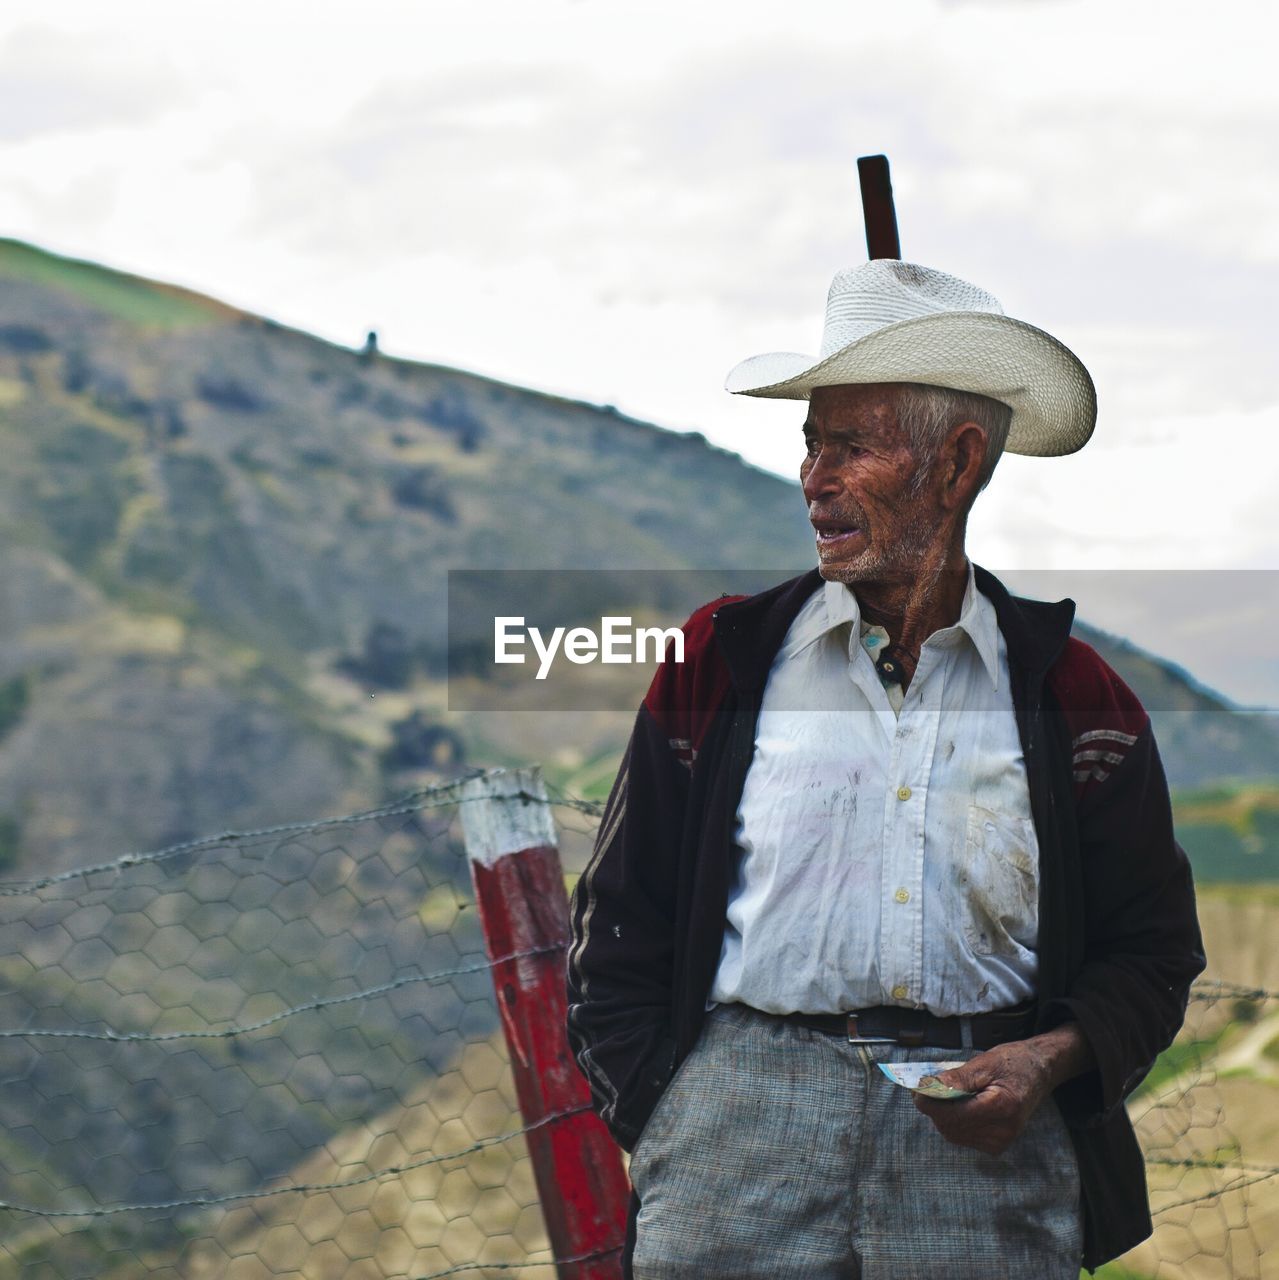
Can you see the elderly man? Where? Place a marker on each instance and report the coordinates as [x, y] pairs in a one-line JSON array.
[[887, 813]]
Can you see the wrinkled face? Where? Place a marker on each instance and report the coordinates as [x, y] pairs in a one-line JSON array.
[[872, 514]]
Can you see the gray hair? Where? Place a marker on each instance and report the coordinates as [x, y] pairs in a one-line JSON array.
[[926, 413]]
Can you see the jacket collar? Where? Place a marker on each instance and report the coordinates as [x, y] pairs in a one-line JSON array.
[[1035, 631], [751, 631]]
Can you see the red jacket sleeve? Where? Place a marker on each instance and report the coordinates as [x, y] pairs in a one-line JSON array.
[[1142, 944]]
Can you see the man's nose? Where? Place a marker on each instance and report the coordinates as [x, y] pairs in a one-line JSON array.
[[821, 480]]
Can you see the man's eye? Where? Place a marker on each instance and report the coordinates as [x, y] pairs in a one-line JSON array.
[[810, 446]]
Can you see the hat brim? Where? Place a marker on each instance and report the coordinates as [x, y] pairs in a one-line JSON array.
[[1045, 384]]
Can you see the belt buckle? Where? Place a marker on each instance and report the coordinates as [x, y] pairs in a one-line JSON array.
[[854, 1038]]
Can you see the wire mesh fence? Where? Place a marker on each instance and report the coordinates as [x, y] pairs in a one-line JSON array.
[[277, 1053], [1207, 1117], [268, 1053]]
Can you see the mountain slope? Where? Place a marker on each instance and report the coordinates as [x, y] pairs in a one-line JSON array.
[[202, 513], [224, 548]]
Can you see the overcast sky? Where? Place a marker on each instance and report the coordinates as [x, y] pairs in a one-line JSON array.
[[619, 201]]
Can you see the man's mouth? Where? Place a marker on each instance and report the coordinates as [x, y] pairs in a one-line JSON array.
[[832, 532]]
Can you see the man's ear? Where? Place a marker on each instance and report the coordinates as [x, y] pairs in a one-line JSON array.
[[965, 452]]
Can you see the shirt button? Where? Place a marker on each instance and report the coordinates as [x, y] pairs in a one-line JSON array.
[[903, 793], [900, 992], [902, 895]]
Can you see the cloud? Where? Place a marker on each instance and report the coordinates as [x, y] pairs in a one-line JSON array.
[[55, 82], [733, 176], [1194, 494]]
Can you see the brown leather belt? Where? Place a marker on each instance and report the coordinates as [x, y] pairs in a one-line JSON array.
[[913, 1028]]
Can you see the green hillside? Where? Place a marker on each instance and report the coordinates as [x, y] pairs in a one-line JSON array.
[[224, 547], [1230, 830], [139, 302], [223, 557]]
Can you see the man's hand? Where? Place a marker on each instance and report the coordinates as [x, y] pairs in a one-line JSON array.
[[1009, 1082]]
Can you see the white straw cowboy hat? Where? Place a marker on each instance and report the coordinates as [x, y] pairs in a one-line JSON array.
[[892, 321]]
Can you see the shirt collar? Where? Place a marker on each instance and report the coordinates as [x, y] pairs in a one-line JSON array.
[[976, 620]]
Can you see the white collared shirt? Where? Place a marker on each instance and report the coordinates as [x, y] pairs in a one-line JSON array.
[[888, 856]]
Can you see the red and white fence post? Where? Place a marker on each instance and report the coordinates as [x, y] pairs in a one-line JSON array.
[[523, 906]]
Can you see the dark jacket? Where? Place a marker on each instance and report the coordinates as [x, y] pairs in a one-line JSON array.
[[1119, 942]]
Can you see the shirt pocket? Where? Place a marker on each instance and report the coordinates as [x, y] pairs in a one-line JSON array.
[[999, 883]]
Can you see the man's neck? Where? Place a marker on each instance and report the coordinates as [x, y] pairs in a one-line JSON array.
[[910, 610]]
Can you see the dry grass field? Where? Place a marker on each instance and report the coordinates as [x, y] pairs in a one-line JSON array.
[[1215, 1099]]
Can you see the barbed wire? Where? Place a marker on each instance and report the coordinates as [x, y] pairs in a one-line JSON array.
[[558, 796], [1239, 1184], [307, 1188], [1210, 990], [445, 795], [326, 1002], [1263, 1171], [126, 1037], [237, 839], [1245, 1166]]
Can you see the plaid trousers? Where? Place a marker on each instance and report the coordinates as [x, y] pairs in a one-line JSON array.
[[779, 1152]]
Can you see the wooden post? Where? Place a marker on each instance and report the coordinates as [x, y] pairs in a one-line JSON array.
[[523, 907], [877, 207]]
